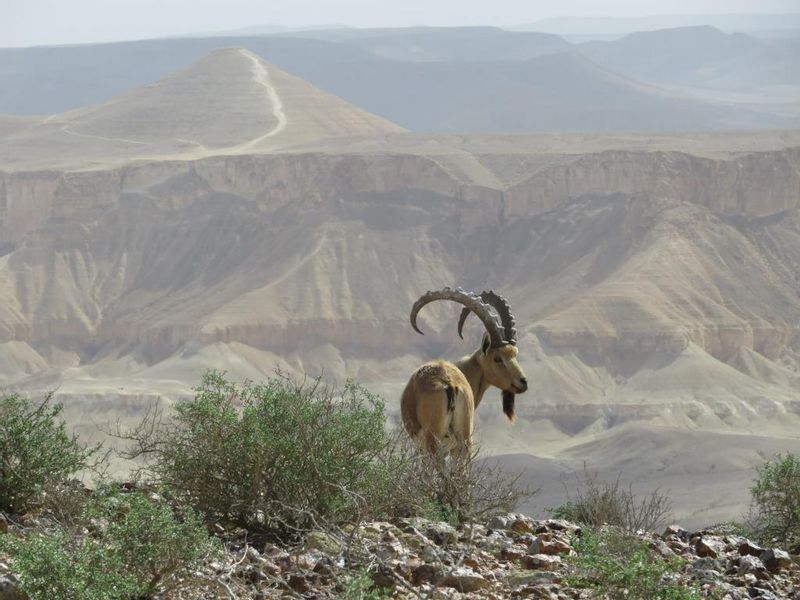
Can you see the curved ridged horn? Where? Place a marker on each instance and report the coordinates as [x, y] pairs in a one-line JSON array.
[[472, 303], [500, 305]]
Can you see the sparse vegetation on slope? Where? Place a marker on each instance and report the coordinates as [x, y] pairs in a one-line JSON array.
[[275, 457], [776, 501], [596, 503], [616, 564], [352, 512], [126, 545], [36, 452]]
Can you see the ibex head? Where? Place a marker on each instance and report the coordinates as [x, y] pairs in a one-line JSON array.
[[498, 352]]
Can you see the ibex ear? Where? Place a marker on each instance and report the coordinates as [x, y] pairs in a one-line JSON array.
[[486, 343]]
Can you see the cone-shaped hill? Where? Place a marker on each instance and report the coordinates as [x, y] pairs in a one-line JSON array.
[[229, 102]]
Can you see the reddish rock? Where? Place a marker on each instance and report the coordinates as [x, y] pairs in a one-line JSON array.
[[465, 580], [709, 547], [543, 562], [521, 526], [748, 548], [547, 543], [512, 553], [674, 530]]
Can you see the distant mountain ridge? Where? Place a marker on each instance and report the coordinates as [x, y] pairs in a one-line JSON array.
[[750, 23], [462, 79], [701, 56]]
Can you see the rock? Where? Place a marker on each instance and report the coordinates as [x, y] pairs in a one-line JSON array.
[[495, 541], [322, 541], [707, 563], [511, 553], [270, 567], [10, 591], [709, 547], [539, 592], [383, 577], [661, 548], [299, 583], [678, 547], [465, 580], [675, 530], [414, 539], [547, 543], [442, 534], [498, 523], [544, 562], [306, 562], [527, 577], [521, 526], [560, 525], [750, 564], [775, 560], [748, 548], [425, 573]]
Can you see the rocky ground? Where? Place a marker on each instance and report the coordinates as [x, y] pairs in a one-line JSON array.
[[506, 557]]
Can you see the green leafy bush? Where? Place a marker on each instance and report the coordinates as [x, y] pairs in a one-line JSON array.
[[36, 453], [135, 545], [616, 564], [278, 456], [282, 457], [361, 587], [775, 510]]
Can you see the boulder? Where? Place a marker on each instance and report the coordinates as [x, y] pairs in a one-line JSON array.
[[706, 546], [748, 548], [464, 579], [10, 591], [750, 564], [547, 543], [775, 560], [544, 562]]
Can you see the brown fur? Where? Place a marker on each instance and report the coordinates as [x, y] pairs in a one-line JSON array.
[[424, 403]]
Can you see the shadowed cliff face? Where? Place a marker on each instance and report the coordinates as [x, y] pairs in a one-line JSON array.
[[639, 279]]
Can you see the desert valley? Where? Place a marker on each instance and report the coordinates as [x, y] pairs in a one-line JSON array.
[[279, 202]]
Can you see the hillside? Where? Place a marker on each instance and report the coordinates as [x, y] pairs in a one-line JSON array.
[[229, 102], [269, 224]]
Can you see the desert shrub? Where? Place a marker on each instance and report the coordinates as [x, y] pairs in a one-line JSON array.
[[615, 564], [284, 456], [451, 490], [279, 456], [36, 453], [134, 546], [775, 509], [596, 503]]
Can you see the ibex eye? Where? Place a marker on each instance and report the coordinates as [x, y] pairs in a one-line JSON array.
[[498, 360]]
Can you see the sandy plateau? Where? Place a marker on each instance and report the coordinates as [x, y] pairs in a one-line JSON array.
[[233, 216]]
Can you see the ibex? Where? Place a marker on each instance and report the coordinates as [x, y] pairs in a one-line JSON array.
[[438, 404]]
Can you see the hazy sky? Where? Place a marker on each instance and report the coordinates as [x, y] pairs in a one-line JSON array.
[[35, 22]]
